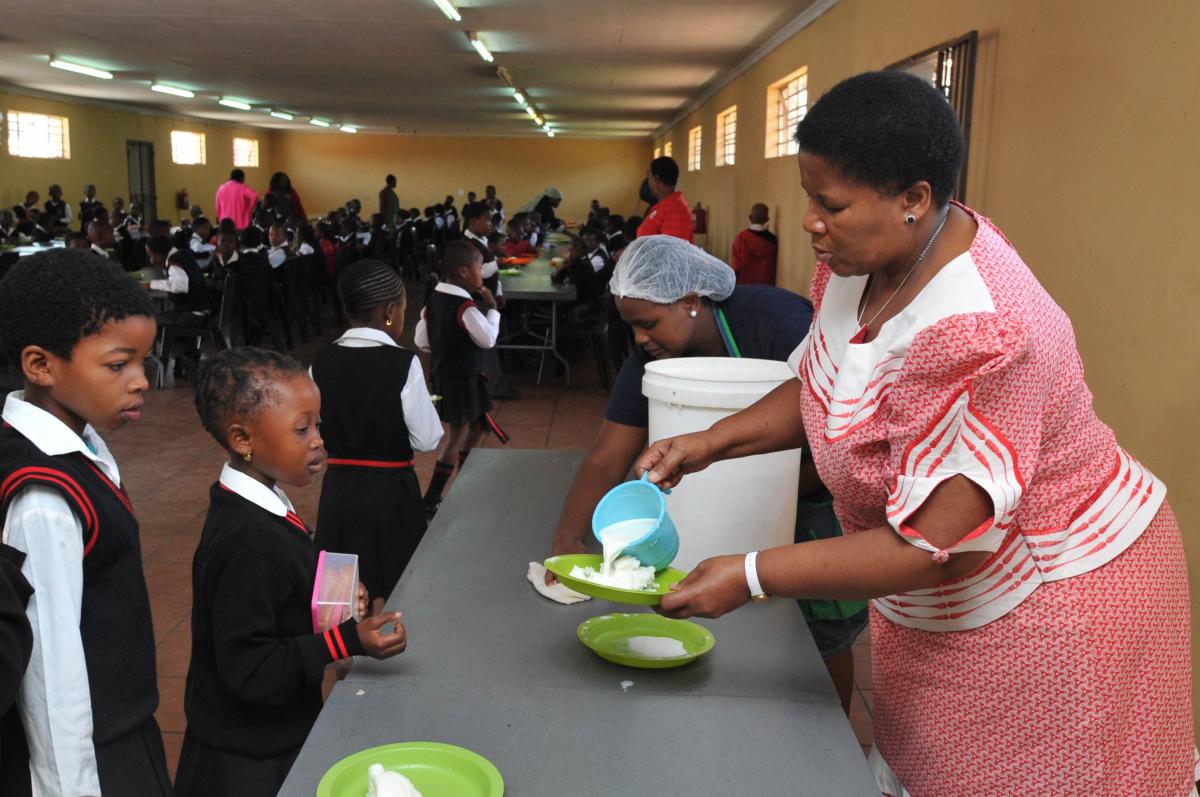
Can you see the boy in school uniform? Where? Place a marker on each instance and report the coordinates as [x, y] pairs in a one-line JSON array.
[[201, 243], [457, 333], [80, 329], [615, 240], [755, 250], [57, 207], [254, 681], [88, 205], [8, 227]]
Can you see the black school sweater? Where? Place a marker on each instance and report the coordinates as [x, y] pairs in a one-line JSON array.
[[16, 645], [254, 683]]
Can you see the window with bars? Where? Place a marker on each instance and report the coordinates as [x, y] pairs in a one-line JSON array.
[[950, 67], [187, 148], [694, 144], [667, 150], [36, 135], [727, 136], [787, 103], [657, 153], [245, 152]]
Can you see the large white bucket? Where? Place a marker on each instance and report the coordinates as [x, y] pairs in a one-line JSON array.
[[738, 505]]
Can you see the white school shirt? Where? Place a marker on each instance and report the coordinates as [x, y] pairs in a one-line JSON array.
[[100, 251], [55, 700], [597, 259], [420, 416], [200, 246], [277, 256], [271, 499], [492, 266], [306, 249], [483, 329], [176, 281]]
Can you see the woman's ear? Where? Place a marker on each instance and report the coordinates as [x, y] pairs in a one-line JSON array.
[[37, 366], [918, 199], [691, 303], [238, 438]]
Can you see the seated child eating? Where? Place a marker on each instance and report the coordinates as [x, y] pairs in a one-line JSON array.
[[515, 244], [254, 682]]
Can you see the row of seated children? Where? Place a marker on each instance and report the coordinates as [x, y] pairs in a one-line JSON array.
[[74, 608]]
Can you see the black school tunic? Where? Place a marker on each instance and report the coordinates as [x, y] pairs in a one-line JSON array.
[[370, 498]]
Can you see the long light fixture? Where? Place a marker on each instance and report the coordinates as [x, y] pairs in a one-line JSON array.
[[348, 129], [480, 48], [448, 10], [287, 117], [173, 91], [550, 133], [519, 97], [228, 103], [318, 122], [529, 110], [82, 70]]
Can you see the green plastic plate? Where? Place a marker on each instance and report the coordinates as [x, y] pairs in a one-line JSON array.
[[436, 769], [608, 636], [509, 272], [561, 566]]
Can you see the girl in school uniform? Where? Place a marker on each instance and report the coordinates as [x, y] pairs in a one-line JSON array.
[[79, 329], [457, 332], [254, 682], [375, 412]]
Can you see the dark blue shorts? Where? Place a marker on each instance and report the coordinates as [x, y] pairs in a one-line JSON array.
[[834, 637]]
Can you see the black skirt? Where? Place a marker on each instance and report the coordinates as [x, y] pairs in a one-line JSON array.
[[134, 765], [375, 513], [463, 401], [205, 771]]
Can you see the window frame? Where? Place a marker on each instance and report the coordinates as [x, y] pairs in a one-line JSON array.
[[199, 138], [17, 129], [781, 119], [726, 154], [253, 152], [657, 153], [695, 148]]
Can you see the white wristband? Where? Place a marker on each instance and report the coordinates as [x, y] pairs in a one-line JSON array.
[[756, 590]]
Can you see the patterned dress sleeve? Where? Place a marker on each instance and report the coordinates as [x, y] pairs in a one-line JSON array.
[[967, 402]]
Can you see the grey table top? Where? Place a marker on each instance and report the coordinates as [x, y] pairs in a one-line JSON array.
[[495, 667], [533, 284]]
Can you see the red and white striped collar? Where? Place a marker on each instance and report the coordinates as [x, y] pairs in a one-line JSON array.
[[271, 499], [53, 438]]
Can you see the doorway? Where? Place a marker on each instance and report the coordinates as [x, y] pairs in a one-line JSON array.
[[141, 177]]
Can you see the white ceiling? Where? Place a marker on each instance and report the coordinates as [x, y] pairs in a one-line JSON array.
[[597, 68]]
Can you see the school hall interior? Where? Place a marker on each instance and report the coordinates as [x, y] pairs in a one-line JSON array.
[[1079, 120]]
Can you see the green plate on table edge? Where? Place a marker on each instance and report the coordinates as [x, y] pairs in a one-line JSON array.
[[607, 637], [561, 566], [424, 763], [509, 272]]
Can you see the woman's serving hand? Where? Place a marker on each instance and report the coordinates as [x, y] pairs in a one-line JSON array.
[[715, 587], [671, 459]]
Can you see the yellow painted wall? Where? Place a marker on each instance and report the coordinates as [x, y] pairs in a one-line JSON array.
[[1084, 131], [97, 142], [330, 168]]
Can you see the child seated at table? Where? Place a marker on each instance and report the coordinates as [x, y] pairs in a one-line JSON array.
[[515, 242], [456, 333], [254, 681], [495, 242], [580, 271], [375, 412]]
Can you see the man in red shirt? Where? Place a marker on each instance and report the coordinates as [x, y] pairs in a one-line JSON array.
[[671, 214], [236, 200], [755, 250]]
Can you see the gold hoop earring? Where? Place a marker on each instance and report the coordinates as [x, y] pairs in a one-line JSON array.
[[387, 322], [248, 456]]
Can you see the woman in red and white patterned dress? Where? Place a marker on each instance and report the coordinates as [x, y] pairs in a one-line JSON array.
[[1030, 614]]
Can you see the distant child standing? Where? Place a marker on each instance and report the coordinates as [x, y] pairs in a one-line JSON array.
[[254, 682], [375, 412], [79, 328], [457, 333], [755, 250]]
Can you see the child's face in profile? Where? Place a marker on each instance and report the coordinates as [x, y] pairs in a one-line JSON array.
[[103, 381], [278, 236], [473, 274], [283, 440]]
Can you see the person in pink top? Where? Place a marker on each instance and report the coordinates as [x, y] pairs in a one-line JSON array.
[[671, 214], [1029, 616], [236, 200]]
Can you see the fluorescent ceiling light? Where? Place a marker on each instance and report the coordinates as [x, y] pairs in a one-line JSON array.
[[82, 70], [448, 10], [228, 103], [318, 122], [537, 120], [349, 129], [161, 89], [480, 48], [287, 117], [519, 97], [550, 133], [529, 110]]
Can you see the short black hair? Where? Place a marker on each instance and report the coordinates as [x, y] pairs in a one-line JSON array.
[[237, 383], [458, 254], [495, 237], [475, 210], [158, 243], [665, 169], [238, 175], [55, 299], [888, 130], [391, 178], [251, 237]]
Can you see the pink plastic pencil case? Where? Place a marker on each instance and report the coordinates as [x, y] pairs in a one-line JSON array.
[[335, 590]]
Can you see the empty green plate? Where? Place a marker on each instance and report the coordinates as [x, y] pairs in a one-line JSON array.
[[435, 769], [608, 636], [561, 566]]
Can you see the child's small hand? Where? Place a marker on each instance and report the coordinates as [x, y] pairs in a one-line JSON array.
[[500, 302], [488, 298], [376, 643], [362, 600]]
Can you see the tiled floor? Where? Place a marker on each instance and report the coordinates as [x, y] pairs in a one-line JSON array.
[[168, 463]]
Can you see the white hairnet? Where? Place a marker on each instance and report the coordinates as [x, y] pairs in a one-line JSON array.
[[663, 269]]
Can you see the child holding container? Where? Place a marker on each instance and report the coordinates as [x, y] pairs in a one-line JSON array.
[[254, 682]]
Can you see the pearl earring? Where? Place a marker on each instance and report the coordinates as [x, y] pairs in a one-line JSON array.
[[692, 313], [910, 218]]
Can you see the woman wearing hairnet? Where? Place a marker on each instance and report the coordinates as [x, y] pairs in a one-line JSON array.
[[682, 302]]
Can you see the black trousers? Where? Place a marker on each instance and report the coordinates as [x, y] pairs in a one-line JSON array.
[[134, 765]]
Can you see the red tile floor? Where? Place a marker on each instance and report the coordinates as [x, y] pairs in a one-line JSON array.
[[168, 463]]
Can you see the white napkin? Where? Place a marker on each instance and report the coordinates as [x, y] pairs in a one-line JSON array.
[[559, 593]]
